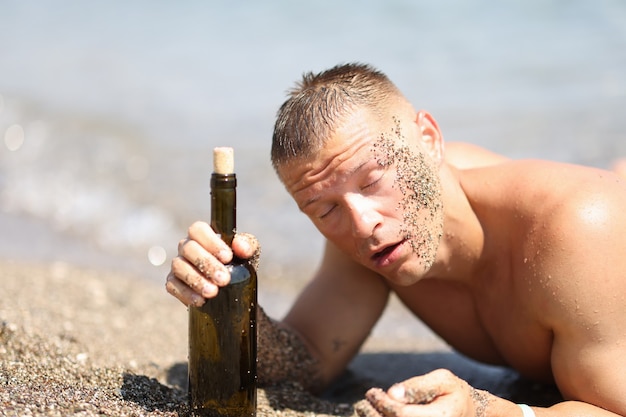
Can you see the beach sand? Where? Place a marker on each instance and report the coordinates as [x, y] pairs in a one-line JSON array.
[[76, 341]]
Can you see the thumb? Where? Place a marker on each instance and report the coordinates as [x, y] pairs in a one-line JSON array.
[[408, 394], [246, 246], [423, 389]]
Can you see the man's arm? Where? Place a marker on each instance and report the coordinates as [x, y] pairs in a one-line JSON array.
[[283, 356], [336, 312], [324, 328], [441, 393]]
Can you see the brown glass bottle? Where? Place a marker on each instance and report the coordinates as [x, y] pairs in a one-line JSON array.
[[222, 333]]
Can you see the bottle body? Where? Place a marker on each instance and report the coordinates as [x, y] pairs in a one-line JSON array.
[[222, 349], [222, 333]]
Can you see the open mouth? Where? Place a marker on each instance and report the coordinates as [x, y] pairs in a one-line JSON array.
[[383, 254]]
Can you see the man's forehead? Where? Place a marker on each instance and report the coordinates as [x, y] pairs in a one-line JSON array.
[[362, 129], [336, 157]]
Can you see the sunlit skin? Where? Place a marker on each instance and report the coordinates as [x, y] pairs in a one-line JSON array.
[[619, 166], [529, 271]]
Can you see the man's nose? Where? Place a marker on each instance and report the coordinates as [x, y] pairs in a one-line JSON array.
[[364, 216]]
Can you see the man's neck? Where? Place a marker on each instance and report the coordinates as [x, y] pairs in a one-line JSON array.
[[461, 253]]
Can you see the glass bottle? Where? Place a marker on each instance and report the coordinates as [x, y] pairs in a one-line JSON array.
[[222, 333]]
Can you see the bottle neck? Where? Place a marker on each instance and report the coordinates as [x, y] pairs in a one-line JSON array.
[[224, 205]]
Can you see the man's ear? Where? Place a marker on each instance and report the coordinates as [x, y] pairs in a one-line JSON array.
[[432, 139]]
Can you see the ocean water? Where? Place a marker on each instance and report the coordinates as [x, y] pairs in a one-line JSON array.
[[109, 110]]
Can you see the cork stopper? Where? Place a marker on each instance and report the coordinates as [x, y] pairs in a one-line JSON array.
[[223, 160]]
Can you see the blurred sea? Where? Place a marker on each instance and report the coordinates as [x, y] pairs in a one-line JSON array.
[[109, 110]]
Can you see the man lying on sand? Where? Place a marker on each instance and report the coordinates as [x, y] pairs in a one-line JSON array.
[[516, 263]]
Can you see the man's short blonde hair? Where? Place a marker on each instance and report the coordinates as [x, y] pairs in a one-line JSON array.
[[319, 102]]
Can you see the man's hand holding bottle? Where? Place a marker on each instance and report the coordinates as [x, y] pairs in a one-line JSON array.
[[200, 269]]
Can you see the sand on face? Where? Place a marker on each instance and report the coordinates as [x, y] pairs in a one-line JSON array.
[[417, 179]]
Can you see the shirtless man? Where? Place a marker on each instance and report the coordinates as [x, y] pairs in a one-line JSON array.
[[517, 263]]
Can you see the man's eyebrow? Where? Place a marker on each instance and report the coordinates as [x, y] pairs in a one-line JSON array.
[[348, 173], [358, 168], [309, 202]]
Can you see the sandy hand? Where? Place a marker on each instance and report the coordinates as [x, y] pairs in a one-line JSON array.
[[412, 395], [364, 409], [200, 269], [380, 403], [437, 393]]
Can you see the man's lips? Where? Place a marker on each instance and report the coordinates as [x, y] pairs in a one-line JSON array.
[[386, 256]]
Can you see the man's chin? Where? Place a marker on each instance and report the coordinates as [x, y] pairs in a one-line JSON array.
[[407, 275], [402, 280]]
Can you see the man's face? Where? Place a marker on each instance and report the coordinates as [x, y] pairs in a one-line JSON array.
[[374, 193]]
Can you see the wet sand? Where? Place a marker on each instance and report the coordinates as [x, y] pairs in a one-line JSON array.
[[76, 341]]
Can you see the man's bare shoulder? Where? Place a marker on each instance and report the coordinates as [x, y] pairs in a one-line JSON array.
[[577, 201], [575, 208], [464, 155], [585, 235], [566, 221], [554, 181]]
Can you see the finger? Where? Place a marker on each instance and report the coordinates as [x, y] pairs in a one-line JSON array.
[[182, 292], [412, 394], [245, 245], [425, 388], [208, 265], [202, 233], [189, 275], [383, 403], [364, 409], [388, 407]]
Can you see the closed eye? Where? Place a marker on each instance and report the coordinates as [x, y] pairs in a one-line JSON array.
[[329, 211], [373, 183]]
